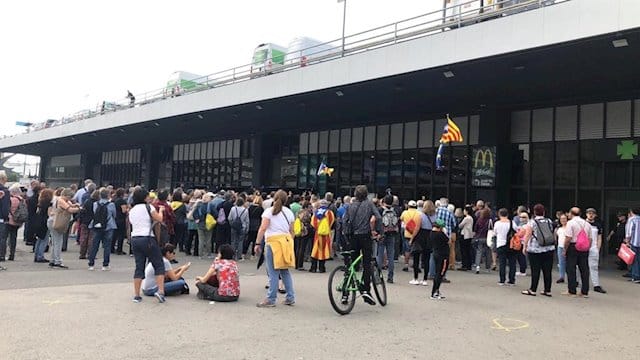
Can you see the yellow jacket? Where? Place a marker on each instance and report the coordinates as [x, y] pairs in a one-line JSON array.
[[282, 249]]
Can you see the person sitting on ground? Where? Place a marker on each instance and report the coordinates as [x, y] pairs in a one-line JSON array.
[[174, 284], [221, 283]]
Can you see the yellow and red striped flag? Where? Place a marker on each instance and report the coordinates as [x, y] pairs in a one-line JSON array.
[[451, 132]]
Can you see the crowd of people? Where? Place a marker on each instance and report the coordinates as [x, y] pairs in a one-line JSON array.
[[289, 230]]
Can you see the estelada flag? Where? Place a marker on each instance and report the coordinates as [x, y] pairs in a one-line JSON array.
[[451, 132], [324, 169]]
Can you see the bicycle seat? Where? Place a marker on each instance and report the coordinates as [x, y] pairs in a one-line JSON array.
[[345, 253]]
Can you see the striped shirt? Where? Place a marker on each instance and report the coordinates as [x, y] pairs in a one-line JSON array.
[[632, 231]]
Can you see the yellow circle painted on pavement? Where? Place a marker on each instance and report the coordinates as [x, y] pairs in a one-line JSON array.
[[509, 325]]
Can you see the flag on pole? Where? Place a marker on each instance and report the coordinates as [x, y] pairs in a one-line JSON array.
[[324, 169], [451, 133]]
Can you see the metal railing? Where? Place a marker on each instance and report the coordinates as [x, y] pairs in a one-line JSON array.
[[448, 18]]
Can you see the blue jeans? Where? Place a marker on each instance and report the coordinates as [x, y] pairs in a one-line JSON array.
[[388, 242], [105, 237], [170, 288], [635, 267], [562, 262], [41, 246], [274, 276], [237, 240]]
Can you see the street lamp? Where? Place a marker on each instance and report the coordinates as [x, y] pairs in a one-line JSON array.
[[344, 20]]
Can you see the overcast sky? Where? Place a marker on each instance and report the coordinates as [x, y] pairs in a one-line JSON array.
[[60, 57]]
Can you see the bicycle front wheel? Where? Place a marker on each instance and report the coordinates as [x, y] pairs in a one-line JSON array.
[[379, 286], [342, 299]]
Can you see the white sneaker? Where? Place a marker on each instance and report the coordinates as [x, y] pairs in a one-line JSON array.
[[518, 273], [477, 269], [500, 284], [106, 268], [424, 283], [414, 282], [91, 268]]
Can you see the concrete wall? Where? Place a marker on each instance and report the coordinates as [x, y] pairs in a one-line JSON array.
[[567, 21]]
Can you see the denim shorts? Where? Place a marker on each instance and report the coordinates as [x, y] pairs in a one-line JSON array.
[[146, 247]]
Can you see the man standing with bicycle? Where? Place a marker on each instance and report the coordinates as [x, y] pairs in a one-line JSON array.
[[359, 227]]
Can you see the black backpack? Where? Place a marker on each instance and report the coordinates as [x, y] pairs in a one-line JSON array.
[[101, 216], [236, 224]]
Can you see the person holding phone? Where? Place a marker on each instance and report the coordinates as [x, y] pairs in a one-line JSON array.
[[174, 284]]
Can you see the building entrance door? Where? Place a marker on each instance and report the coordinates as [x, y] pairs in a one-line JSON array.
[[613, 205]]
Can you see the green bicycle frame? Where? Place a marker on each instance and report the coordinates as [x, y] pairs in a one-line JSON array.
[[353, 275]]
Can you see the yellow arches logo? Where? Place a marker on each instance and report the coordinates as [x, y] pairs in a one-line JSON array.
[[485, 155]]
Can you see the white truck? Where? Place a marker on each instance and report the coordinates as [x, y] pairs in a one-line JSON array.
[[267, 58], [304, 50], [181, 81]]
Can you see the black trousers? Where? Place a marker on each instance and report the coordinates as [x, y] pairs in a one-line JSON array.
[[221, 236], [542, 262], [425, 256], [248, 240], [363, 243], [178, 238], [300, 245], [580, 259], [466, 253], [192, 243], [507, 256], [118, 238], [442, 263]]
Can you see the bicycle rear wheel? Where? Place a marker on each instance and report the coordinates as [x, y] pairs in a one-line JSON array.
[[342, 300], [379, 286]]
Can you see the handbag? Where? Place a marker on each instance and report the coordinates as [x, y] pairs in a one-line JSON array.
[[156, 227], [626, 254], [61, 220], [491, 235]]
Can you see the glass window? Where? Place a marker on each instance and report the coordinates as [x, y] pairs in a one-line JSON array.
[[463, 124], [382, 169], [302, 172], [520, 165], [411, 135], [323, 146], [216, 150], [236, 148], [425, 167], [181, 156], [474, 130], [344, 169], [313, 143], [332, 181], [395, 169], [542, 125], [520, 126], [196, 151], [190, 151], [440, 124], [519, 197], [334, 141], [541, 196], [356, 139], [382, 137], [636, 118], [345, 140], [356, 168], [617, 174], [409, 167], [636, 175], [369, 138], [563, 200], [591, 124], [425, 139], [459, 163], [368, 172], [313, 171], [229, 149], [619, 119], [589, 198], [566, 164], [396, 137], [590, 170], [542, 160], [304, 143], [567, 123], [208, 150], [246, 177]]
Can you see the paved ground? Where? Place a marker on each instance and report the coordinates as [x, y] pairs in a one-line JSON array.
[[76, 314]]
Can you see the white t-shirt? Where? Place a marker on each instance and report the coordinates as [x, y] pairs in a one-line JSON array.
[[561, 237], [279, 224], [140, 220], [574, 226], [149, 281], [594, 237], [502, 230]]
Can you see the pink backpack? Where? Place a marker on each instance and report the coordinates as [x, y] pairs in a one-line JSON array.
[[582, 241]]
